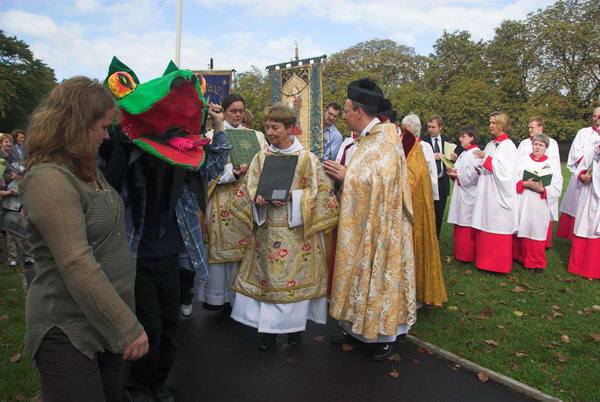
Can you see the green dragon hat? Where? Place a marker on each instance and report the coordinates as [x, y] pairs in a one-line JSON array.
[[162, 116]]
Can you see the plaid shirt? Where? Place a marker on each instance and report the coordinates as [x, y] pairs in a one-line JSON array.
[[193, 254]]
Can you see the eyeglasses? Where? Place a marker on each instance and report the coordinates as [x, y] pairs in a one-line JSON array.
[[236, 111]]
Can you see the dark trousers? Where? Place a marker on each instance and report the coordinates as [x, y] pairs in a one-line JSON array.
[[440, 207], [68, 375], [157, 309], [186, 284]]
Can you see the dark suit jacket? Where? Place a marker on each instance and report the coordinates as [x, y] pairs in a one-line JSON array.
[[444, 181]]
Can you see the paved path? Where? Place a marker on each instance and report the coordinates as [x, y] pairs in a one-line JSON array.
[[218, 361]]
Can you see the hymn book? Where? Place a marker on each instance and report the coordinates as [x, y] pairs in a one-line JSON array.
[[449, 149], [544, 175], [276, 177], [245, 146], [449, 164]]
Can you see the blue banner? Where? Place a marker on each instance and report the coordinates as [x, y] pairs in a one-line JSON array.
[[218, 84]]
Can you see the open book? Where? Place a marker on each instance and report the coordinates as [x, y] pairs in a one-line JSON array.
[[449, 149], [544, 175], [449, 164]]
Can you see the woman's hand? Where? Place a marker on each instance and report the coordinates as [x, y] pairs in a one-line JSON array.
[[238, 170], [452, 173], [216, 114], [533, 186], [479, 154], [260, 200], [586, 178], [453, 156], [137, 348]]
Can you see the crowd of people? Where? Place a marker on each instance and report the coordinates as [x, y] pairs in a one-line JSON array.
[[121, 252]]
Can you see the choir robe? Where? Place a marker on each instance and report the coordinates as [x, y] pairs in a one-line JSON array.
[[535, 212], [227, 243], [373, 292], [587, 138], [430, 158], [460, 212], [495, 209], [282, 280], [428, 264], [585, 247]]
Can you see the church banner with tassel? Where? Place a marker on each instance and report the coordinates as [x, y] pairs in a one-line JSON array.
[[298, 85], [218, 84]]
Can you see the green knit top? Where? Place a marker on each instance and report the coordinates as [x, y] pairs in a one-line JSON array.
[[85, 273]]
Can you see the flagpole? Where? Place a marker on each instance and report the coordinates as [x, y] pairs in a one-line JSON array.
[[178, 34]]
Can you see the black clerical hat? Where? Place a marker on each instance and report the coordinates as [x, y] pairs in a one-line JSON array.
[[385, 109], [366, 92]]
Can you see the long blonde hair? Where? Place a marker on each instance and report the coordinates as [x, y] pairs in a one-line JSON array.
[[60, 128]]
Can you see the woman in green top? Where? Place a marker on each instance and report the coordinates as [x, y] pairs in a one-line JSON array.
[[80, 319]]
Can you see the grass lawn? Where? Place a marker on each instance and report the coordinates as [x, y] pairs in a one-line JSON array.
[[536, 329], [19, 378]]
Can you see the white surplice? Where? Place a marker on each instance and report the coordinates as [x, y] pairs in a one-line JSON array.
[[495, 209], [217, 288], [587, 217], [281, 318], [430, 158], [465, 189], [534, 211], [526, 148], [585, 140]]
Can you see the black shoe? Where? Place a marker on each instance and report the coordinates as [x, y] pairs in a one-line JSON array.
[[342, 338], [382, 351], [267, 341], [162, 394], [294, 338], [139, 395], [538, 270]]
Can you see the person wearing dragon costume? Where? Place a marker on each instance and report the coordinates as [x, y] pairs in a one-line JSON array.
[[160, 163]]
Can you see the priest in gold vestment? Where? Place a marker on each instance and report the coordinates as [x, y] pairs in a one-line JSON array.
[[373, 294], [431, 289], [227, 242], [282, 280]]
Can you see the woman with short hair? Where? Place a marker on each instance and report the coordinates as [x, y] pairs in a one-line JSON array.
[[79, 313], [465, 177], [495, 209], [537, 205], [282, 280]]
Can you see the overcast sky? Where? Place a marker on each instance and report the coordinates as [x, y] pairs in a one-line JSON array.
[[79, 37]]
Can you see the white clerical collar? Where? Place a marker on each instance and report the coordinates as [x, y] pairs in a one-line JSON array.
[[228, 126], [370, 126], [294, 148]]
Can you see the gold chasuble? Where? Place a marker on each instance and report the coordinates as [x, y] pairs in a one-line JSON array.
[[227, 242], [283, 264], [374, 274], [428, 266]]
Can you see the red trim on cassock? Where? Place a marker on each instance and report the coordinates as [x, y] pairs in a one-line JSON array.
[[464, 243], [501, 137], [488, 164], [549, 236], [520, 188], [544, 195], [542, 159], [494, 252], [585, 254], [580, 173], [566, 224], [530, 253], [457, 180], [579, 160], [471, 147], [596, 129]]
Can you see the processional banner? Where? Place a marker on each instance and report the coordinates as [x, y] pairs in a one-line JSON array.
[[218, 84], [298, 85]]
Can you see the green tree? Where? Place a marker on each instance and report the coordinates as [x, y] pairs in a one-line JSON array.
[[24, 81], [255, 87]]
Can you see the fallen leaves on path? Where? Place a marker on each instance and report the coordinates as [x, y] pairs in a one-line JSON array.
[[565, 339], [394, 374], [561, 358], [395, 357], [595, 337], [319, 338], [347, 347], [521, 353], [423, 350], [15, 358], [4, 317], [518, 313], [491, 342], [517, 289], [483, 376]]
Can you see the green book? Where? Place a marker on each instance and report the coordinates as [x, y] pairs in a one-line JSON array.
[[245, 146], [544, 176]]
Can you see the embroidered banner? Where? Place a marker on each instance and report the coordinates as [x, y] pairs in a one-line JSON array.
[[298, 85], [218, 84]]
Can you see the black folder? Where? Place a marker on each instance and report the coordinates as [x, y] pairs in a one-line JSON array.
[[276, 177]]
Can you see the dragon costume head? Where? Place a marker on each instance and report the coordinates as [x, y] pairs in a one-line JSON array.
[[163, 116]]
